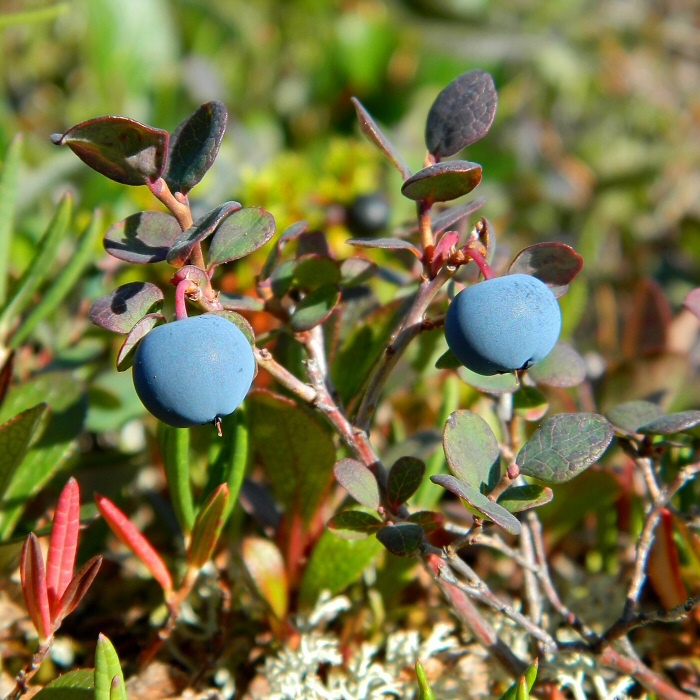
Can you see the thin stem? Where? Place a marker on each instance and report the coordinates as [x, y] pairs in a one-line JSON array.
[[478, 258], [180, 306], [25, 675], [302, 391], [646, 465], [426, 232]]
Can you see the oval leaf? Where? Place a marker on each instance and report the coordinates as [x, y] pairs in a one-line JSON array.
[[428, 520], [403, 540], [461, 114], [563, 368], [405, 477], [355, 524], [314, 271], [471, 450], [631, 416], [194, 146], [74, 685], [240, 234], [121, 149], [564, 445], [672, 423], [479, 503], [496, 384], [386, 243], [181, 249], [448, 218], [315, 308], [443, 182], [125, 358], [358, 481], [145, 237], [519, 498], [556, 264], [265, 565], [119, 310]]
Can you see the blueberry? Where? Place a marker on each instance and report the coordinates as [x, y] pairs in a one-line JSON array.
[[192, 371], [368, 214], [503, 324]]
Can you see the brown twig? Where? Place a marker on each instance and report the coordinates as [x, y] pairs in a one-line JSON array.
[[25, 675]]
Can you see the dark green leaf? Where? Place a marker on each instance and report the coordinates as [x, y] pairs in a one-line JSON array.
[[461, 114], [181, 249], [125, 358], [314, 271], [119, 310], [174, 446], [358, 481], [472, 450], [530, 403], [9, 183], [295, 449], [15, 436], [405, 477], [672, 423], [121, 149], [194, 146], [556, 264], [447, 361], [519, 498], [289, 234], [315, 308], [477, 503], [563, 368], [429, 521], [282, 278], [631, 416], [145, 237], [335, 563], [495, 384], [376, 136], [356, 271], [74, 685], [240, 234], [443, 182], [564, 445], [386, 243], [403, 539], [355, 524]]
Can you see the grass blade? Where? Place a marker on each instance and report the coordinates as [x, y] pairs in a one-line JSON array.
[[9, 182]]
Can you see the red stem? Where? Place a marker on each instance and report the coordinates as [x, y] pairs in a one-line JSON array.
[[478, 258], [180, 305]]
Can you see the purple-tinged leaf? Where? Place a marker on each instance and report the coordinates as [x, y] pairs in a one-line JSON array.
[[119, 310], [428, 520], [556, 264], [692, 302], [63, 545], [315, 308], [76, 590], [33, 577], [358, 481], [194, 146], [356, 271], [471, 450], [496, 384], [405, 476], [672, 423], [207, 528], [145, 237], [461, 114], [442, 182], [450, 217], [563, 368], [121, 149], [238, 302], [355, 524], [477, 503], [519, 498], [403, 539], [127, 533], [183, 245], [443, 249], [530, 403], [564, 445], [265, 564], [289, 234], [125, 358], [631, 416], [240, 234], [375, 135], [386, 243]]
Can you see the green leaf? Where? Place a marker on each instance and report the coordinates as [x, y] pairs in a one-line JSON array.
[[442, 182], [428, 520], [563, 368], [315, 308], [9, 184], [194, 146], [564, 445], [519, 498], [121, 149], [207, 528], [358, 481], [66, 280], [175, 450], [294, 448], [41, 14], [120, 310], [403, 539], [312, 271], [478, 504], [447, 361], [142, 327], [265, 565], [15, 437], [471, 450], [74, 685], [355, 524], [144, 237], [240, 234], [405, 476], [672, 423], [530, 403], [385, 244], [495, 384], [461, 114], [356, 271], [556, 264], [107, 667], [425, 692], [522, 687], [631, 416], [335, 563], [183, 245]]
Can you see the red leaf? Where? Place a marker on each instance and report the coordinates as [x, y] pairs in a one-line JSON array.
[[125, 530], [442, 250], [60, 562], [665, 566], [76, 590], [33, 578]]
